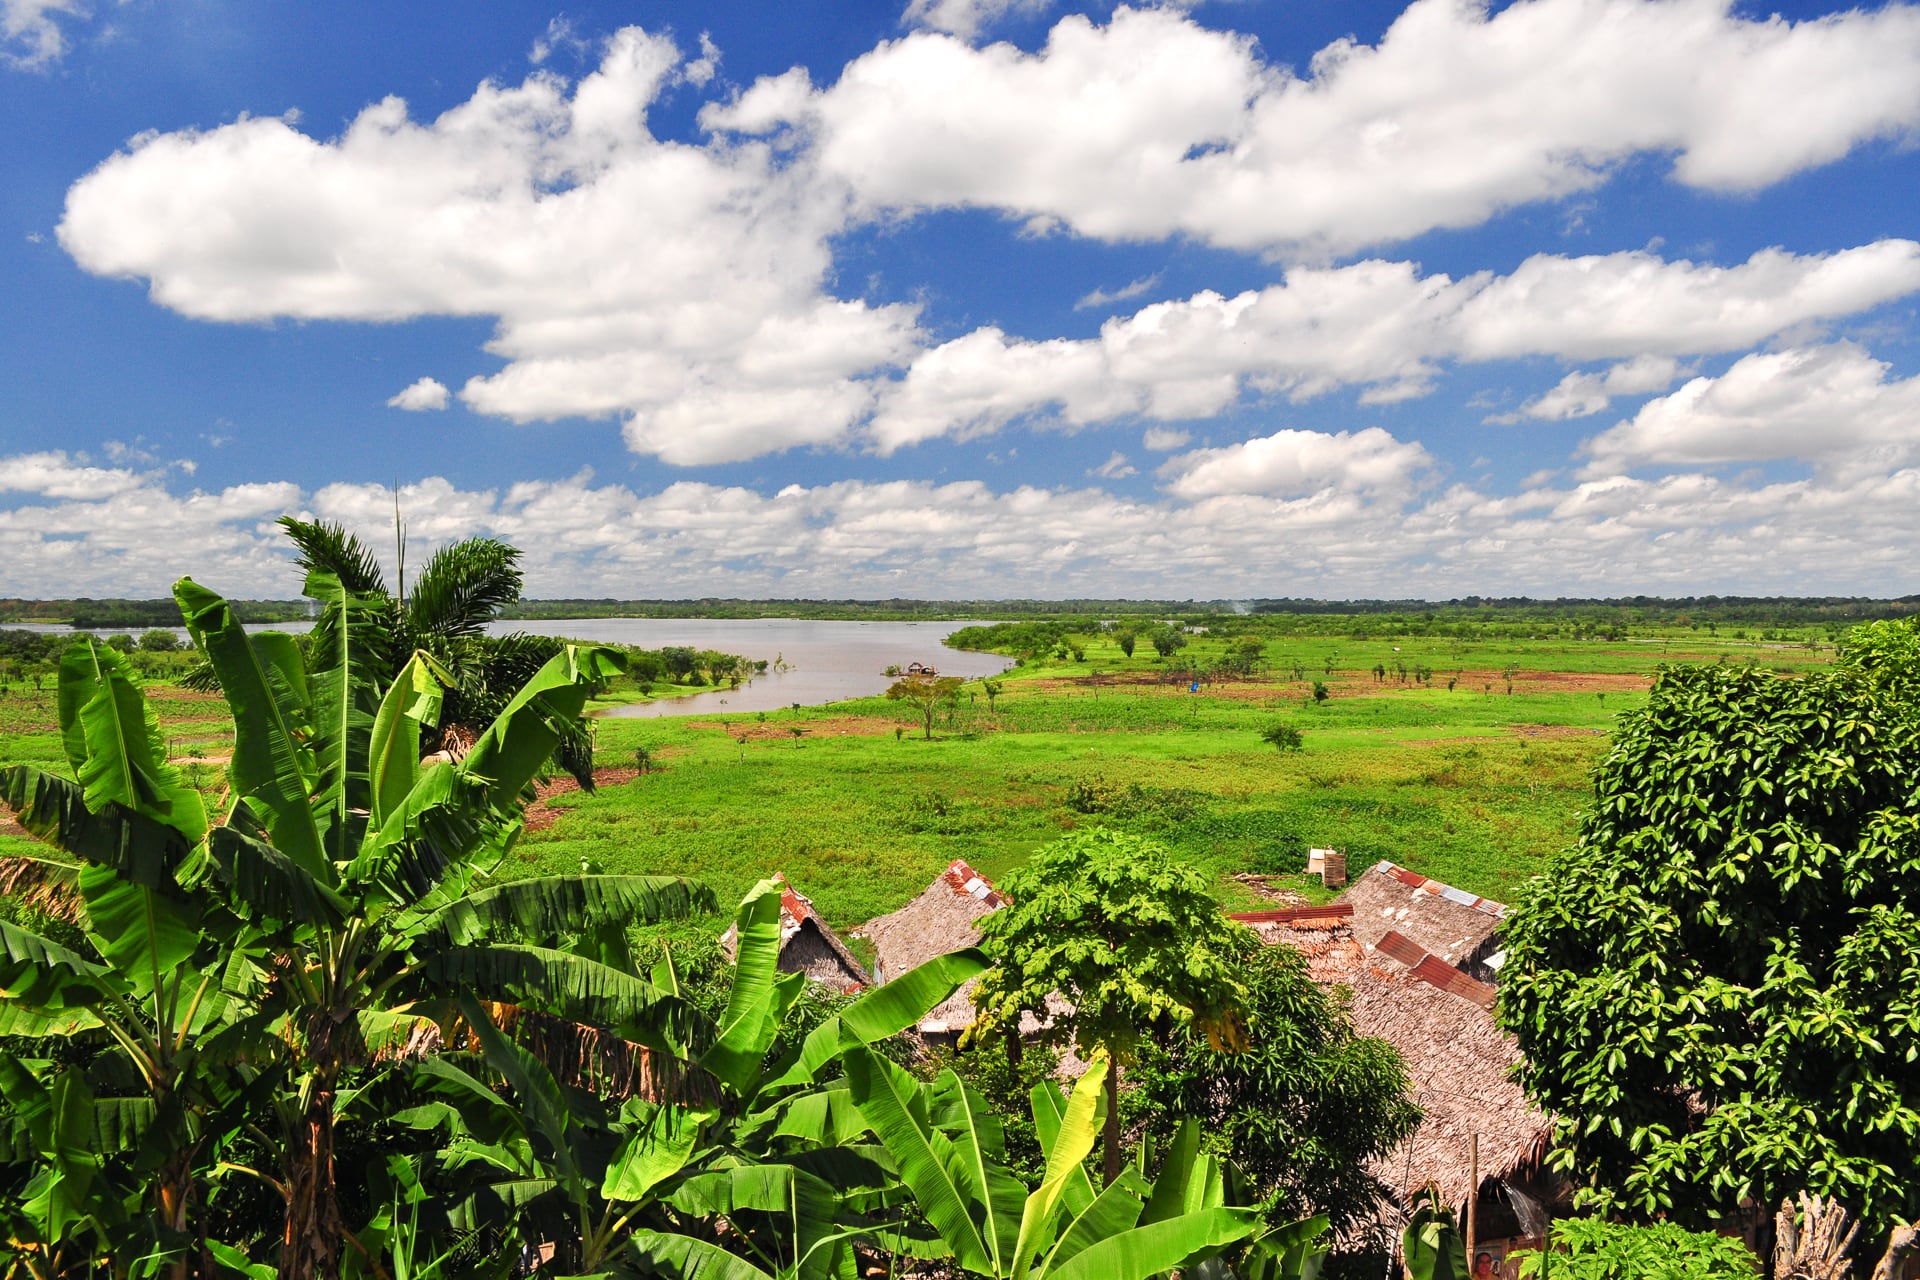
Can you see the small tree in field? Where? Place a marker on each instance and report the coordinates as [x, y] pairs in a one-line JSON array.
[[927, 694], [1126, 638], [993, 689], [1282, 736], [1129, 935]]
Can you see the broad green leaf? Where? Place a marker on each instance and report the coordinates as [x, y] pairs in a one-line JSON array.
[[556, 982], [885, 1011], [271, 771], [1148, 1251], [544, 906], [522, 737], [39, 976], [689, 1259], [393, 755], [929, 1165], [143, 933], [114, 744], [1074, 1130], [1189, 1179], [1115, 1210], [752, 1016], [651, 1155], [54, 810], [266, 882], [541, 1105]]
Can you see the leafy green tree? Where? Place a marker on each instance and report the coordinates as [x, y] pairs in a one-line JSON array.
[[159, 642], [1302, 1110], [1126, 934], [1126, 638], [993, 689], [927, 694], [1595, 1249], [1166, 639], [1282, 736], [1717, 991]]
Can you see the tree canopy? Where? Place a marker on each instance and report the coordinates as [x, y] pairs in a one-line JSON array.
[[1717, 991], [1129, 936]]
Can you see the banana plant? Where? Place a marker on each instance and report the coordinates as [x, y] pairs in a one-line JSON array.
[[343, 898], [761, 1171], [1431, 1244], [947, 1146]]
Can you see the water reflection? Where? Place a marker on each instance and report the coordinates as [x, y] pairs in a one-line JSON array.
[[825, 661]]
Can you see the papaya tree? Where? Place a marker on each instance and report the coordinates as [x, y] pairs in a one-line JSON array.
[[1107, 938]]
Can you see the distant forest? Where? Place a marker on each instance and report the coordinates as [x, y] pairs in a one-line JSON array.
[[1769, 611]]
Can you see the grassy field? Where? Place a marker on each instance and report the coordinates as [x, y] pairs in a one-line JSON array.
[[1474, 784]]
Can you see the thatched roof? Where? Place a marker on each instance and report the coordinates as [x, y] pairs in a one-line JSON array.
[[807, 945], [940, 921], [1451, 923], [1323, 935], [1459, 1064]]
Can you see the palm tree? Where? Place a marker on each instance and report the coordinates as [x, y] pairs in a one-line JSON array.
[[464, 587]]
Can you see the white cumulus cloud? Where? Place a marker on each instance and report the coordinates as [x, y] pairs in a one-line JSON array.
[[421, 395], [1298, 463], [1383, 326], [1831, 405], [633, 277], [1152, 125], [1582, 394]]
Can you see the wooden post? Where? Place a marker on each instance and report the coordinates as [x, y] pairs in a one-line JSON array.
[[1473, 1198]]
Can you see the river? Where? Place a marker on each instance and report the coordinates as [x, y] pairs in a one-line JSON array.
[[824, 661]]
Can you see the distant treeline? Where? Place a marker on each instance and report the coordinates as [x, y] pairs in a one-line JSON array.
[[1762, 611], [137, 615]]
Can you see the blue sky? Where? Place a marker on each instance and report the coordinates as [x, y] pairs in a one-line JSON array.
[[967, 297]]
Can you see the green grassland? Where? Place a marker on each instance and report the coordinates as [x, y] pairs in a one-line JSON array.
[[1475, 784]]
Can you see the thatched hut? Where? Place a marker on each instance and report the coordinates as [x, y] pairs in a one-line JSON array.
[[807, 945], [1322, 935], [940, 921], [1460, 1065], [1458, 927], [1418, 958]]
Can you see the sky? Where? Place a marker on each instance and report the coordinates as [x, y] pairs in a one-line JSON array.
[[966, 298]]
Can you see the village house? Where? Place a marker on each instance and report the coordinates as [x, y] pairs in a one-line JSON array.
[[807, 945], [940, 921], [1418, 959]]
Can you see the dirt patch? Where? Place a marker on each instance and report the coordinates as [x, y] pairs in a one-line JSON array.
[[1523, 682], [541, 814], [782, 730], [1552, 731]]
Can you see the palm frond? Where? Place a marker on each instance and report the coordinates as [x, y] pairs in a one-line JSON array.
[[327, 547], [464, 586]]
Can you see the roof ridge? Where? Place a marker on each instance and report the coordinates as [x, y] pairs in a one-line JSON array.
[[1440, 888]]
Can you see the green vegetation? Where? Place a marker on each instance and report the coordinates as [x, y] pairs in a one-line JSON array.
[[248, 998], [1717, 991], [1128, 936], [1595, 1249]]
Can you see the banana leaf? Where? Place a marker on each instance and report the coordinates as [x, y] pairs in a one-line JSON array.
[[271, 771], [548, 905], [113, 741]]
